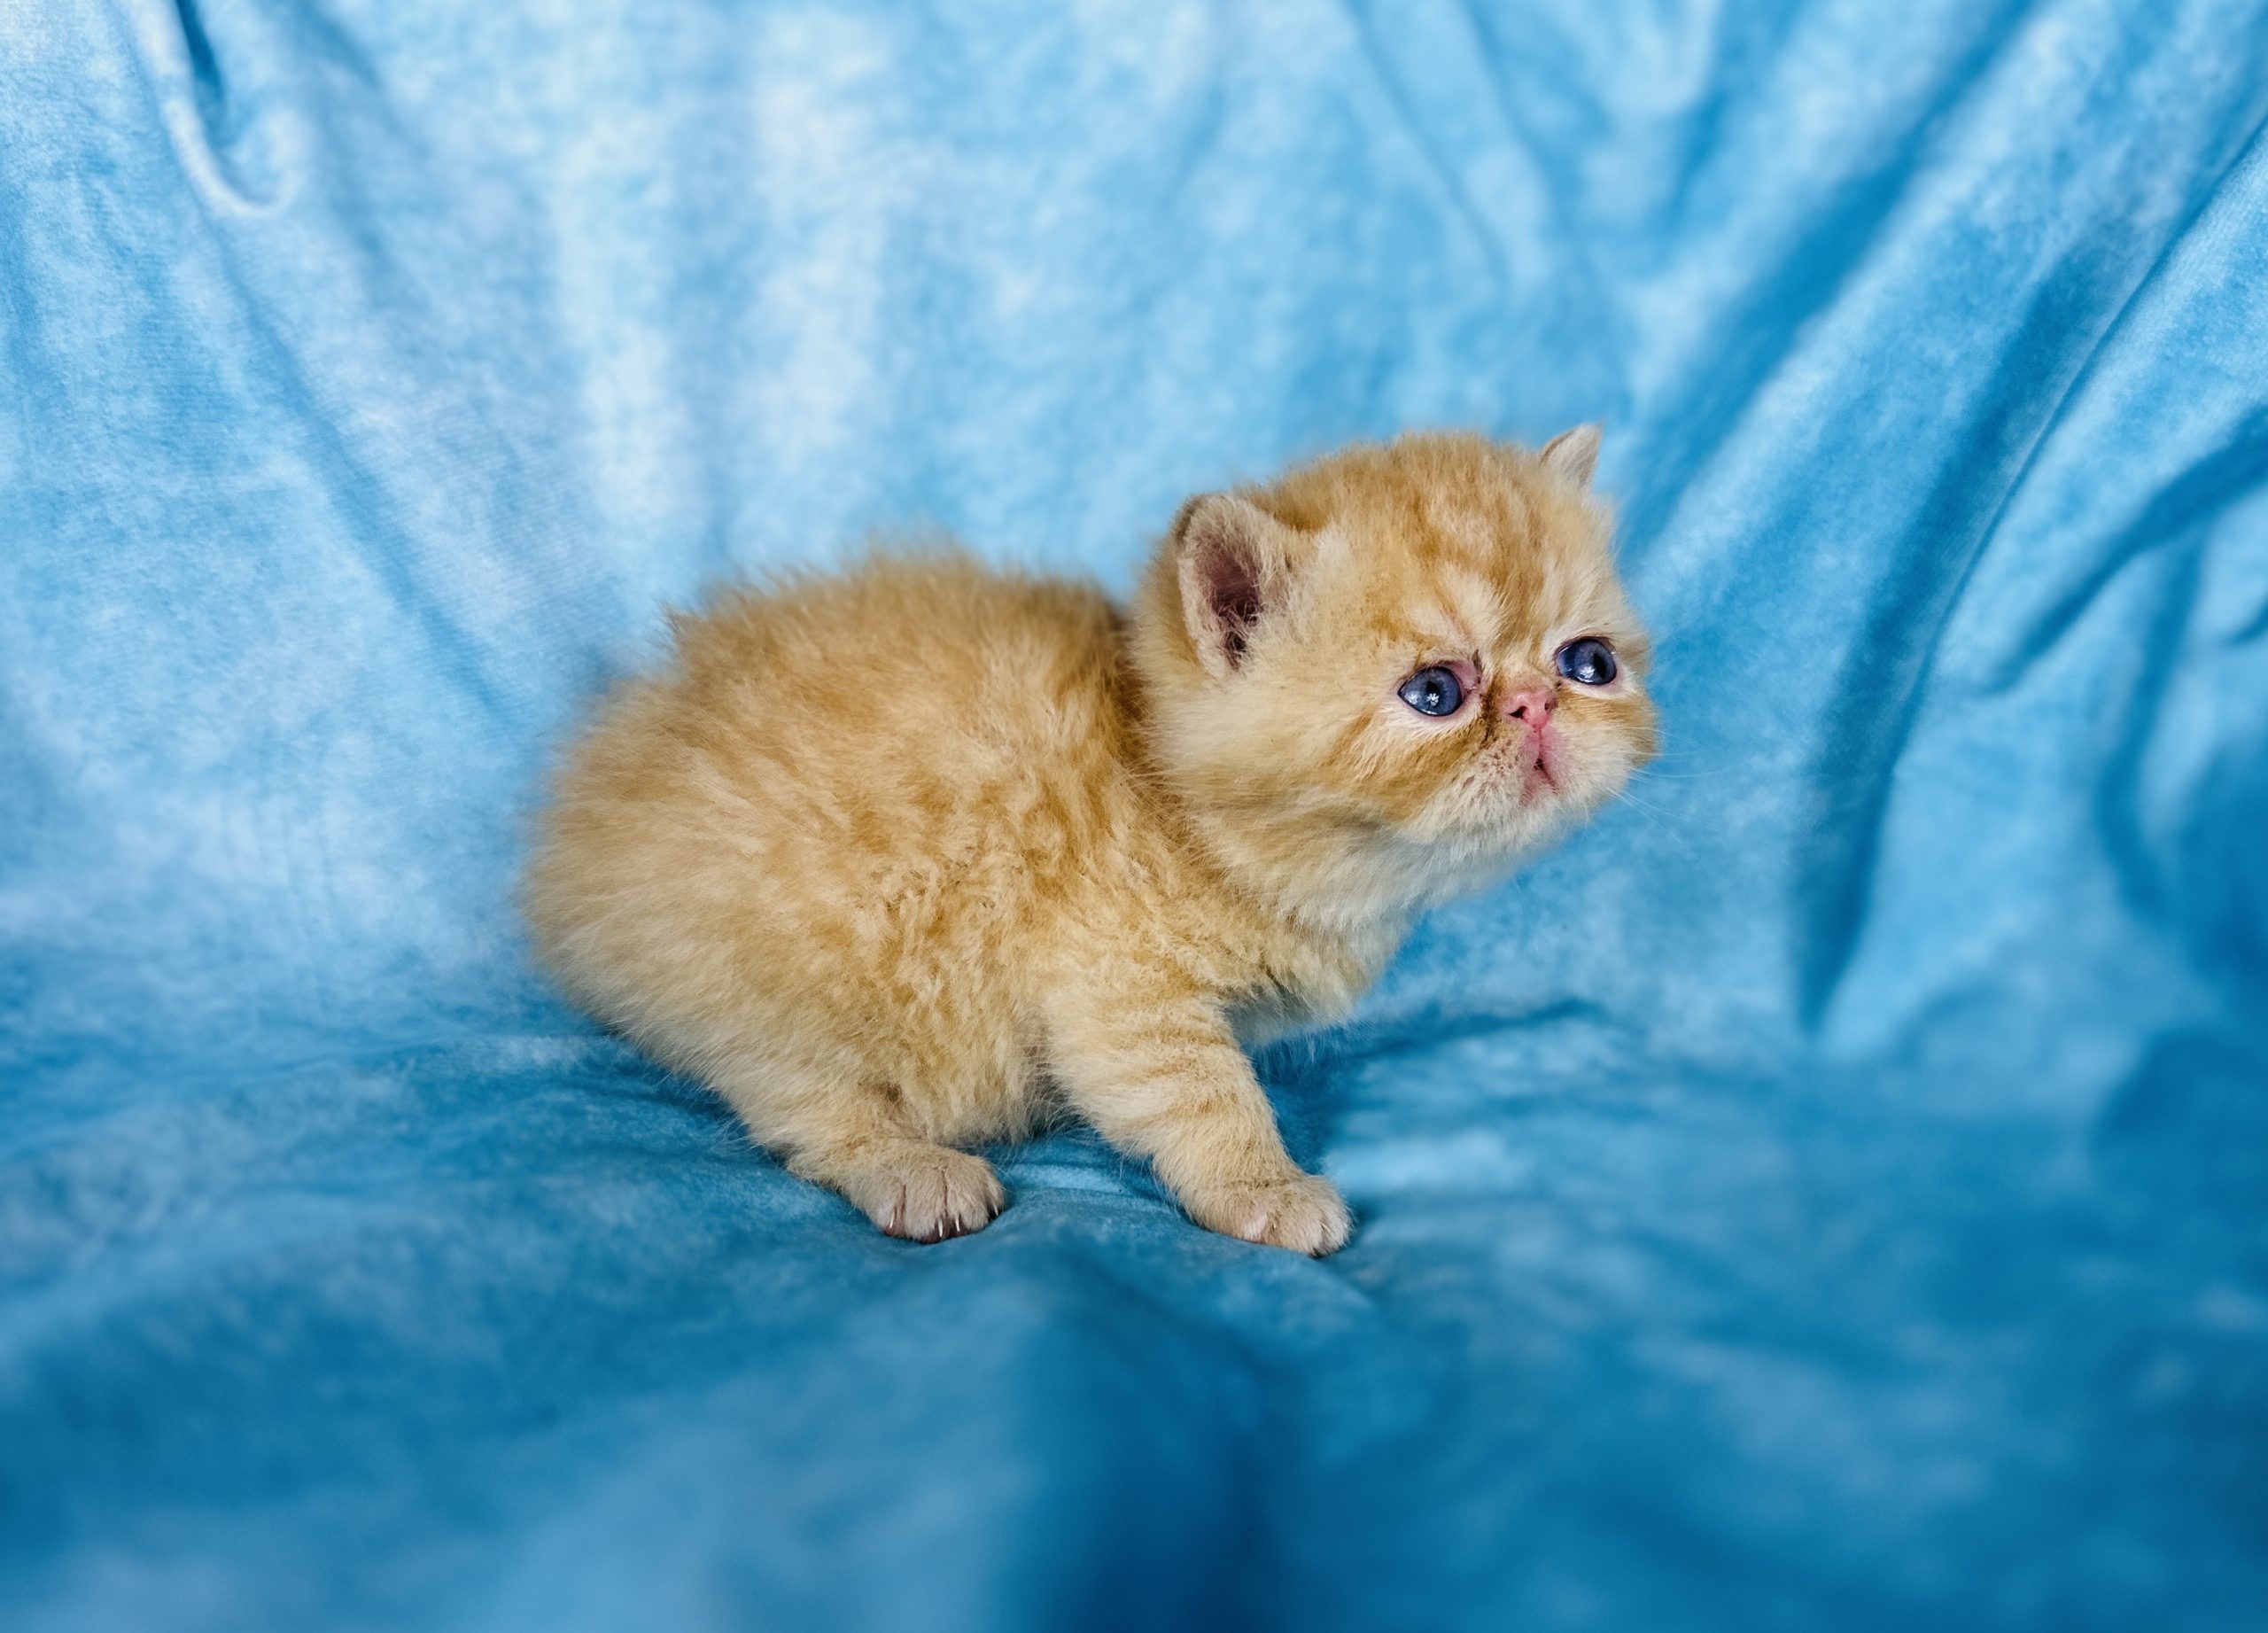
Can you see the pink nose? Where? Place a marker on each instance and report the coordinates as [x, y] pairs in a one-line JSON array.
[[1532, 704]]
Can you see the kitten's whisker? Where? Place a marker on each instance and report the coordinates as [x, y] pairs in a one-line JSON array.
[[1661, 822], [1671, 768]]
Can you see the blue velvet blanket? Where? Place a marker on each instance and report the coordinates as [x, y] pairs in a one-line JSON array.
[[1830, 1193]]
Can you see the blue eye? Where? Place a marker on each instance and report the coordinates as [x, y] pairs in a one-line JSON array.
[[1433, 691], [1587, 662]]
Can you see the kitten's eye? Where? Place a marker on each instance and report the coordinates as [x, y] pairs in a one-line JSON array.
[[1587, 662], [1434, 691]]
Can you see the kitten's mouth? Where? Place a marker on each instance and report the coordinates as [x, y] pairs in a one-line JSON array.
[[1545, 765], [1517, 781]]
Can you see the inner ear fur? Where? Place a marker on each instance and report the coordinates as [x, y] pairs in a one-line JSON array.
[[1233, 560]]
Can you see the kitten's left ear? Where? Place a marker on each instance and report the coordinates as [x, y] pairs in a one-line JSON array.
[[1232, 561], [1573, 455]]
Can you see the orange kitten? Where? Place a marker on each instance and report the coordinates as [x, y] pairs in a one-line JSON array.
[[910, 858]]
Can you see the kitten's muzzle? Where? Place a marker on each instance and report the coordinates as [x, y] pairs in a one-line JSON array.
[[1527, 709]]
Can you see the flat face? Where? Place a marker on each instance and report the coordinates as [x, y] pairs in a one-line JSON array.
[[1411, 674]]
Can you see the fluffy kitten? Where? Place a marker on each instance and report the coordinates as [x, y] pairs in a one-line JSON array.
[[909, 858]]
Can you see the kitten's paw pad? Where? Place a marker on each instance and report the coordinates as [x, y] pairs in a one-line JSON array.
[[928, 1194], [1304, 1213]]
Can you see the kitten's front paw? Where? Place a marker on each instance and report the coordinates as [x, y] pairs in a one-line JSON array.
[[928, 1193], [1303, 1212]]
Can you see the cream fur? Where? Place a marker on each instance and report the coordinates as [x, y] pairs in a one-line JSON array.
[[915, 857]]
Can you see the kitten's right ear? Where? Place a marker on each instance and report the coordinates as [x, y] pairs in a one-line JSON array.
[[1232, 564], [1573, 455]]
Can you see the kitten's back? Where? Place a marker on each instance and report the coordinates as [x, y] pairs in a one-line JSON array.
[[839, 800]]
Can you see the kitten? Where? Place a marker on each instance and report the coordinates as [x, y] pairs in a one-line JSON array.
[[911, 857]]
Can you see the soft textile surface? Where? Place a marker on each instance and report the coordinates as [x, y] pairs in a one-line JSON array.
[[1832, 1192]]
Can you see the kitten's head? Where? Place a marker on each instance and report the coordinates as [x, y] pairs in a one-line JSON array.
[[1397, 668]]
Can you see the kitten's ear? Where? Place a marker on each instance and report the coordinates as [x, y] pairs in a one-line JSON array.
[[1573, 455], [1232, 564]]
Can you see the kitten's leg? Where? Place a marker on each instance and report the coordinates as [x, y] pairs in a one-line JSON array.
[[855, 1137], [1159, 1073]]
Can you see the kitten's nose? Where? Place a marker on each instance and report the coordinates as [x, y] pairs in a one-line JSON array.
[[1532, 704]]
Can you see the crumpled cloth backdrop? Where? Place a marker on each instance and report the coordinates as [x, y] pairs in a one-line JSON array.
[[1832, 1192]]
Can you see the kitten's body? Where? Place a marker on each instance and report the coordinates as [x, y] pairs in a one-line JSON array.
[[914, 857]]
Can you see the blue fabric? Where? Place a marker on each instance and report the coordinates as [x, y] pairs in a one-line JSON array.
[[1831, 1191]]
